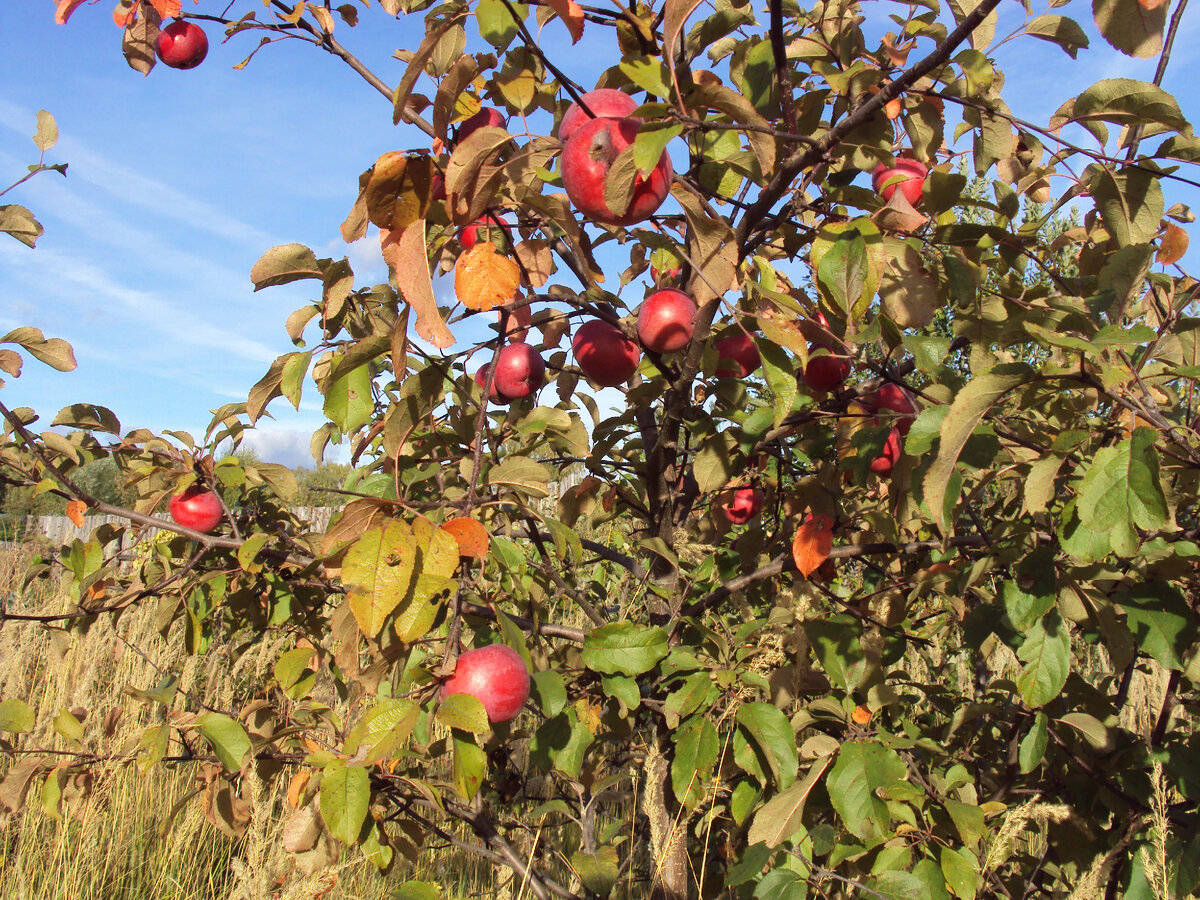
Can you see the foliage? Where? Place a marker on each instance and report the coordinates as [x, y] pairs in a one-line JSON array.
[[941, 707]]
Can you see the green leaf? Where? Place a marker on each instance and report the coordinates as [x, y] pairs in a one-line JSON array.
[[768, 730], [283, 264], [598, 871], [1130, 27], [349, 403], [417, 890], [970, 405], [1033, 745], [345, 799], [522, 474], [561, 744], [780, 372], [68, 726], [651, 143], [16, 716], [470, 765], [623, 648], [1046, 652], [623, 689], [1121, 492], [383, 729], [968, 821], [1161, 621], [379, 569], [227, 737], [961, 870], [550, 692], [496, 24], [1059, 30], [1131, 202], [861, 772], [464, 712], [696, 748], [715, 461], [1024, 609], [249, 550], [1126, 101], [783, 815]]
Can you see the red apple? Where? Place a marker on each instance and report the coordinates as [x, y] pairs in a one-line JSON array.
[[519, 371], [666, 320], [197, 508], [437, 187], [486, 228], [481, 380], [182, 45], [669, 275], [606, 356], [826, 371], [485, 117], [740, 505], [907, 174], [885, 461], [737, 355], [893, 398], [496, 676], [586, 159], [604, 103]]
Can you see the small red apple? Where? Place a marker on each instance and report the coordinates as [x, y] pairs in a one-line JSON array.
[[666, 320], [481, 380], [182, 45], [670, 275], [606, 356], [496, 676], [826, 371], [604, 103], [737, 355], [907, 174], [487, 228], [586, 158], [437, 187], [740, 505], [520, 371], [893, 398], [885, 461], [197, 508], [485, 117]]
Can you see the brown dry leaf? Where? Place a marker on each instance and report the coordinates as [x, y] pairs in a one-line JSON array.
[[406, 256], [899, 215], [484, 279], [813, 541], [75, 511], [535, 256], [892, 108], [897, 55], [472, 537], [1173, 245], [572, 15]]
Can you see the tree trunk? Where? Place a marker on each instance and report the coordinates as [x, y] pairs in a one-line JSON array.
[[668, 830]]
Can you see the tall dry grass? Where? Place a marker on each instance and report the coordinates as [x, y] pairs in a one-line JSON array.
[[143, 836]]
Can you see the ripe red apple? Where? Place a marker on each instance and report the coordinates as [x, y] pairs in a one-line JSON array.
[[486, 116], [197, 508], [907, 174], [520, 371], [496, 676], [182, 45], [737, 355], [487, 228], [740, 505], [481, 380], [669, 275], [606, 356], [893, 398], [885, 461], [604, 103], [586, 158], [666, 321], [826, 371]]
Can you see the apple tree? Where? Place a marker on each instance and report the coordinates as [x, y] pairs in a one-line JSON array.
[[880, 577]]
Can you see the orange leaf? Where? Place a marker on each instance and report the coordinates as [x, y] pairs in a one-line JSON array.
[[472, 537], [1151, 4], [168, 9], [65, 8], [75, 511], [124, 14], [405, 253], [519, 320], [572, 15], [813, 541], [296, 788], [1173, 245], [483, 278], [892, 108], [861, 715]]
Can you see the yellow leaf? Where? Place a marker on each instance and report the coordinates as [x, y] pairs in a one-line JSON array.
[[484, 279], [813, 541], [399, 189]]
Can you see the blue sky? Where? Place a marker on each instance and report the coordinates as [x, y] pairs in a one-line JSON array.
[[178, 182]]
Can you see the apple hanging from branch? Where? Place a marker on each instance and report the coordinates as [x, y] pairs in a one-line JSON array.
[[494, 675]]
